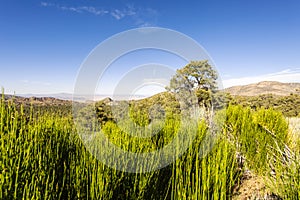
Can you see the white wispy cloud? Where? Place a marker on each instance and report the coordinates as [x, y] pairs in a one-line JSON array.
[[80, 9], [93, 10], [141, 16], [127, 11], [285, 76], [146, 17], [45, 4]]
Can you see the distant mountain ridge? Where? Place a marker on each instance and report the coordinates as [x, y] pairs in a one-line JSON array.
[[36, 100], [255, 89], [80, 98], [265, 87]]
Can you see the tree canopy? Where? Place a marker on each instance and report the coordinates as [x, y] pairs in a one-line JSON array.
[[197, 78]]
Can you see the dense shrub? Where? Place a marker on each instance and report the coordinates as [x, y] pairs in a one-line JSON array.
[[255, 132]]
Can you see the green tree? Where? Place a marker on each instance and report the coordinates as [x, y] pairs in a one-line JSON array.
[[198, 79], [103, 110]]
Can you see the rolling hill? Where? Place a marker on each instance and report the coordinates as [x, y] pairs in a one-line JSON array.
[[265, 87]]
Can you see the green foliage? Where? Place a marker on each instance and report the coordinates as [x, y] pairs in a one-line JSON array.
[[204, 174], [221, 100], [139, 114], [285, 177], [197, 78], [288, 105], [142, 112], [262, 137], [103, 111], [255, 133], [42, 157], [34, 154]]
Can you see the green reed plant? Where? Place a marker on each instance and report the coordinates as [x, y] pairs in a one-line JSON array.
[[43, 157], [205, 173], [254, 132], [285, 179]]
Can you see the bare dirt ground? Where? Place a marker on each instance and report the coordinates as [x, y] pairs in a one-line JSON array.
[[253, 187]]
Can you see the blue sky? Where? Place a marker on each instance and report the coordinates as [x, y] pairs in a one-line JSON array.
[[43, 43]]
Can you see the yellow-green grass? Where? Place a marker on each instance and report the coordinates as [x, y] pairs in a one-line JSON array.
[[42, 157]]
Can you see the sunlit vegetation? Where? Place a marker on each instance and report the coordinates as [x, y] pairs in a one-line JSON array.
[[50, 152], [42, 157], [288, 105]]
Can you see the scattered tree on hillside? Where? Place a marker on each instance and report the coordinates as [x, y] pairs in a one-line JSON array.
[[198, 79], [103, 110], [288, 105]]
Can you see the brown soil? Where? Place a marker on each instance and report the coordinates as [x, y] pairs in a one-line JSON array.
[[253, 187]]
